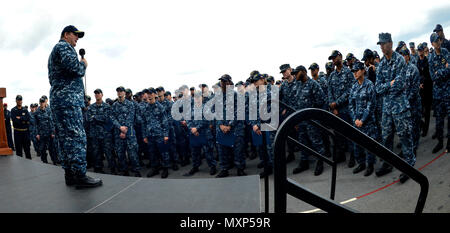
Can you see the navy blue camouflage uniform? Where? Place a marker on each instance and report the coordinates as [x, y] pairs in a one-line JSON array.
[[33, 134], [66, 101], [378, 112], [362, 105], [309, 94], [172, 138], [44, 127], [203, 128], [124, 114], [100, 124], [155, 128], [396, 108], [238, 129], [265, 152], [441, 95], [339, 86], [182, 136], [415, 102]]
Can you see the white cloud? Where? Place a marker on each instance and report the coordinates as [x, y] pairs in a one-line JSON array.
[[139, 44]]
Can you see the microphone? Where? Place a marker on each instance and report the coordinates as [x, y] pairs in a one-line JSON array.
[[82, 53]]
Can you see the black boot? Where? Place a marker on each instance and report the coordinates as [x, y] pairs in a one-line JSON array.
[[424, 132], [403, 178], [70, 177], [439, 146], [369, 170], [153, 172], [223, 173], [125, 173], [340, 157], [384, 169], [267, 172], [212, 171], [290, 158], [183, 163], [165, 173], [113, 171], [188, 161], [302, 166], [351, 161], [319, 168], [175, 167], [137, 174], [253, 155], [448, 145], [191, 172], [359, 168], [99, 170], [434, 136], [261, 164], [240, 172], [85, 181]]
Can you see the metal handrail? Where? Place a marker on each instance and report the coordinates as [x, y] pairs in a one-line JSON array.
[[284, 186]]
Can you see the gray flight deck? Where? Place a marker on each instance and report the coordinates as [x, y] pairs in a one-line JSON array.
[[31, 186]]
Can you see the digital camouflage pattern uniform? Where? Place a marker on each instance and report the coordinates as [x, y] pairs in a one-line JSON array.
[[65, 74]]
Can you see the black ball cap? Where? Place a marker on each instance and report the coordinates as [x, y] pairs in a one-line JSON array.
[[375, 54], [421, 47], [367, 54], [358, 66], [225, 77], [349, 56], [298, 69], [121, 88], [434, 37], [73, 29], [257, 77], [284, 67], [253, 73], [98, 91], [313, 66], [438, 28], [404, 51], [18, 97], [334, 54], [128, 90]]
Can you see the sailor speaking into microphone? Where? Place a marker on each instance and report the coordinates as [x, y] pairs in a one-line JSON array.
[[65, 73]]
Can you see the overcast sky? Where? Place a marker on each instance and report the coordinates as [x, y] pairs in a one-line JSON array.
[[141, 44]]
